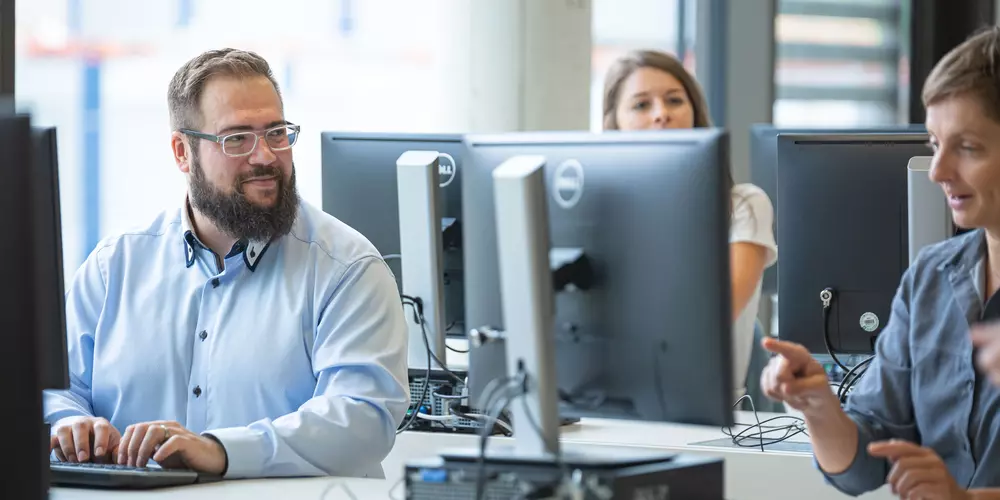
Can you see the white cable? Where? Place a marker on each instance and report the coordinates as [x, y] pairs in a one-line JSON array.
[[437, 418]]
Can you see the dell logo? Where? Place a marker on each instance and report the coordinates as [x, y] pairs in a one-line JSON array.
[[447, 168], [567, 185]]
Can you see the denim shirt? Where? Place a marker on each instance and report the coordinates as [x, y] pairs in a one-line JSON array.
[[922, 385]]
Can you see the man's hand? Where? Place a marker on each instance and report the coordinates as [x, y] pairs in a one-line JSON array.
[[917, 473], [986, 338], [84, 439], [796, 378], [171, 446]]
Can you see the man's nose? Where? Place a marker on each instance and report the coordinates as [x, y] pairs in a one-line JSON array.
[[262, 154]]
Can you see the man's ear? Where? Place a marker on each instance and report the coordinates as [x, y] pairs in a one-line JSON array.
[[182, 151]]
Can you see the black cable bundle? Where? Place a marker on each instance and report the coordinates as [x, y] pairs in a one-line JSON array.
[[759, 434]]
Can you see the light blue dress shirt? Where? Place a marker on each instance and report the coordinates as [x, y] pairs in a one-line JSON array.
[[293, 355]]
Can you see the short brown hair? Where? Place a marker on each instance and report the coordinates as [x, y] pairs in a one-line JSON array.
[[187, 85], [629, 63], [972, 68]]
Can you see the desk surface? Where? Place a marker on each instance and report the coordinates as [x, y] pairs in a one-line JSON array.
[[750, 473]]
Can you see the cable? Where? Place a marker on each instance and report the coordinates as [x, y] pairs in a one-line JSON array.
[[392, 256], [335, 485], [448, 396], [460, 351], [457, 410], [761, 436], [395, 486], [538, 430], [848, 383], [427, 378], [492, 416], [826, 296], [418, 317]]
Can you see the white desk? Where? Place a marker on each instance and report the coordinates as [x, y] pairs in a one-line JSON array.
[[750, 475]]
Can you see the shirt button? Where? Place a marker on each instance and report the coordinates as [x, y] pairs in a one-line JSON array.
[[197, 391], [203, 335], [215, 283]]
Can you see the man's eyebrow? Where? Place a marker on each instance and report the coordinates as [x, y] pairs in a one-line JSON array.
[[244, 128]]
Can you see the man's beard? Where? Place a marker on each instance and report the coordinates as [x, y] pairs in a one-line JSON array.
[[238, 217]]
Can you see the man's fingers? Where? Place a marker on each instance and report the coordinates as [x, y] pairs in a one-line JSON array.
[[54, 446], [102, 433], [154, 436], [123, 445], [172, 446], [65, 436], [81, 436], [138, 434]]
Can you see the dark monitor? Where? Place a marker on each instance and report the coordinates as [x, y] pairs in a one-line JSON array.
[[25, 462], [843, 216], [645, 334], [764, 167], [51, 314], [359, 188]]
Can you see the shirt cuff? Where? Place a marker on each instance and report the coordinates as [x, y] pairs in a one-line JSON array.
[[863, 474], [244, 451]]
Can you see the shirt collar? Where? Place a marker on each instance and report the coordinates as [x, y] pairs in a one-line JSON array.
[[252, 250]]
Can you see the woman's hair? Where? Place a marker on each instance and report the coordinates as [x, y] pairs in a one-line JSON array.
[[623, 68], [973, 69]]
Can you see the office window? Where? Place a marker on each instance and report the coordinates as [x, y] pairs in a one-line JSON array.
[[623, 25], [840, 62], [98, 70]]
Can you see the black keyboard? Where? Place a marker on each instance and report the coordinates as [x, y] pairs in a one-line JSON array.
[[122, 476]]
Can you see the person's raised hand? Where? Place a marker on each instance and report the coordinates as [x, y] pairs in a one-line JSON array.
[[986, 339], [795, 378], [84, 439]]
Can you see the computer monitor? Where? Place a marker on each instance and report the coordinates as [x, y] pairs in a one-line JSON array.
[[646, 333], [843, 217], [51, 316], [359, 188], [27, 293], [764, 167]]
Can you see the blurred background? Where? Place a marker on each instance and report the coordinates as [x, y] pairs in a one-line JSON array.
[[98, 69]]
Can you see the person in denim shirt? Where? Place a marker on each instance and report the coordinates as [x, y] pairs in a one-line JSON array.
[[922, 419]]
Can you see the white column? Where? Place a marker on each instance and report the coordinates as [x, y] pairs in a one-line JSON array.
[[530, 64]]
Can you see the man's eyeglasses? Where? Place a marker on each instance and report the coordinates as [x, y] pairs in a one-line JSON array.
[[239, 144]]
